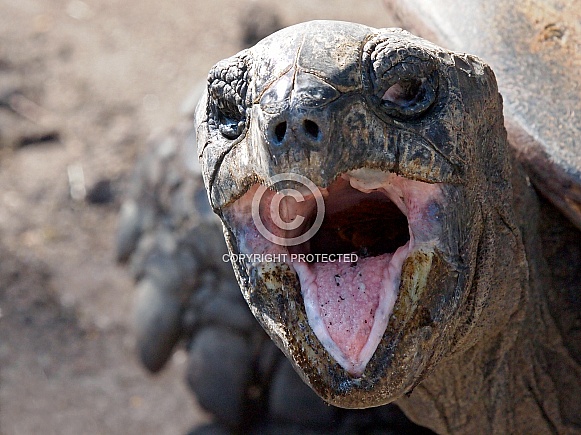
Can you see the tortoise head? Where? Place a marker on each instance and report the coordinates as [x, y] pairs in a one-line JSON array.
[[357, 172]]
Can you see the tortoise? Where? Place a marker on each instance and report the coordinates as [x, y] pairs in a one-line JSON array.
[[436, 276], [541, 255]]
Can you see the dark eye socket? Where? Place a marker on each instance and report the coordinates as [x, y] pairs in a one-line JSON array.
[[405, 93], [403, 74], [227, 115], [410, 97], [227, 87]]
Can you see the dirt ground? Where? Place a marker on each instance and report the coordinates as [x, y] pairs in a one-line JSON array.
[[82, 86]]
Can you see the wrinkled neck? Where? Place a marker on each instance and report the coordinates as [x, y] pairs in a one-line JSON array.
[[519, 376]]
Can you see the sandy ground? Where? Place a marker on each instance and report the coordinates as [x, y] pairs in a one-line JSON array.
[[82, 86]]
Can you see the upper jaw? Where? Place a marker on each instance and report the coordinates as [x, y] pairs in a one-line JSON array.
[[379, 144]]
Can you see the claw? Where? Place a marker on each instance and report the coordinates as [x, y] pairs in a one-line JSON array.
[[157, 324]]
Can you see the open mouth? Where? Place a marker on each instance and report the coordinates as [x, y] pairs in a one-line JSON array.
[[350, 269]]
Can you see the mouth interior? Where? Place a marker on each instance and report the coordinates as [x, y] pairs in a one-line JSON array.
[[348, 304], [377, 217], [367, 224]]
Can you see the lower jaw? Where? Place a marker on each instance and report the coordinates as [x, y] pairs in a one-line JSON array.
[[274, 294]]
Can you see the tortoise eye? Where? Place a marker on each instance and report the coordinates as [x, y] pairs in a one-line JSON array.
[[402, 81], [405, 92], [410, 97], [227, 87]]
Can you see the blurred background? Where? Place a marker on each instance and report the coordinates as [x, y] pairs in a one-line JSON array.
[[83, 84]]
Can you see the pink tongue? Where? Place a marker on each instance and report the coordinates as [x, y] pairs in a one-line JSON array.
[[348, 298]]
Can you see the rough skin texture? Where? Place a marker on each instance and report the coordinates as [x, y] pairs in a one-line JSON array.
[[486, 349]]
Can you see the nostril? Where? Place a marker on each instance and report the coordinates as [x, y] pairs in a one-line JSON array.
[[311, 128], [280, 131]]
